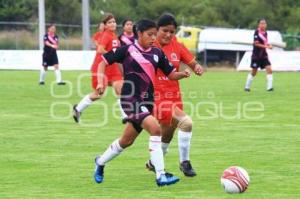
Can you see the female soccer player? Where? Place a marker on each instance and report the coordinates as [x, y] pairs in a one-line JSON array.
[[140, 62], [259, 57], [168, 102], [127, 37], [108, 41], [50, 56]]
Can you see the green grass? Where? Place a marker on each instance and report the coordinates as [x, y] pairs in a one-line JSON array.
[[44, 157]]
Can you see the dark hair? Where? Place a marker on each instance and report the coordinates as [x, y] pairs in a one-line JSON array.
[[107, 17], [144, 25], [166, 19], [261, 19], [50, 25], [125, 21]]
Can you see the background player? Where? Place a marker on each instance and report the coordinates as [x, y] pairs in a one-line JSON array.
[[169, 108], [50, 56], [140, 60], [259, 57], [107, 41], [127, 37]]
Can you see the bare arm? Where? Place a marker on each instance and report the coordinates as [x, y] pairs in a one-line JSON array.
[[179, 75], [101, 50], [196, 67], [100, 76], [47, 43], [257, 44]]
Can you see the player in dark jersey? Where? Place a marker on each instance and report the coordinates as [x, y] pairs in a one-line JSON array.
[[127, 37], [259, 57], [50, 56], [140, 62]]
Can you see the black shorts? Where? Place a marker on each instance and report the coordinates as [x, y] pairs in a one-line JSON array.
[[260, 63], [50, 59], [136, 112]]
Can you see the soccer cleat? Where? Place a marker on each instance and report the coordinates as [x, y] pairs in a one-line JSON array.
[[271, 89], [99, 172], [166, 179], [247, 89], [76, 114], [187, 168], [41, 83], [61, 83]]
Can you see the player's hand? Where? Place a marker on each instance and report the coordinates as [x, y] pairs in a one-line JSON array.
[[100, 88], [270, 46], [198, 69], [186, 73], [54, 46]]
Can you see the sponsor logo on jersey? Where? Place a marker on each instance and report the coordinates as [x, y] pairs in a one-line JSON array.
[[144, 109], [115, 43], [155, 57], [174, 57]]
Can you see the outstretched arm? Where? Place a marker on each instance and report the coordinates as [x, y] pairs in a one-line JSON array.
[[100, 76], [179, 75], [196, 67]]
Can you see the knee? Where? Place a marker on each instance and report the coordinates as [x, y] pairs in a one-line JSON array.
[[125, 142], [185, 124], [156, 131]]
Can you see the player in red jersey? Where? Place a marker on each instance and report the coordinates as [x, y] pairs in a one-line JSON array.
[[106, 42], [127, 37], [259, 57], [168, 102]]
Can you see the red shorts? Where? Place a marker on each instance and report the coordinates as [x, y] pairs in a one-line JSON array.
[[164, 108], [112, 74]]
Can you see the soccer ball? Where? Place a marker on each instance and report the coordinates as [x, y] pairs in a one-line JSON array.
[[235, 180]]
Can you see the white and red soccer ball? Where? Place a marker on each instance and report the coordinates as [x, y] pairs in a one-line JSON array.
[[235, 180]]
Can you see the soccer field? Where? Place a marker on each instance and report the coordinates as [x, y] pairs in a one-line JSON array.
[[44, 154]]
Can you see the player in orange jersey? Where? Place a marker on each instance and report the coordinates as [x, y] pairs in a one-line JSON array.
[[168, 102]]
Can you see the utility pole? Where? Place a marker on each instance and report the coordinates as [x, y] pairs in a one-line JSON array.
[[41, 23], [85, 24]]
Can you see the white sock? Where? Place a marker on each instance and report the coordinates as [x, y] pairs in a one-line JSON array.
[[249, 81], [156, 155], [111, 152], [57, 75], [184, 143], [269, 81], [42, 75], [165, 147], [84, 103], [123, 114]]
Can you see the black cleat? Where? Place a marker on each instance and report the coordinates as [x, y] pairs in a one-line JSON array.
[[247, 89], [61, 83], [150, 166], [76, 114], [271, 89], [41, 83], [187, 168]]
